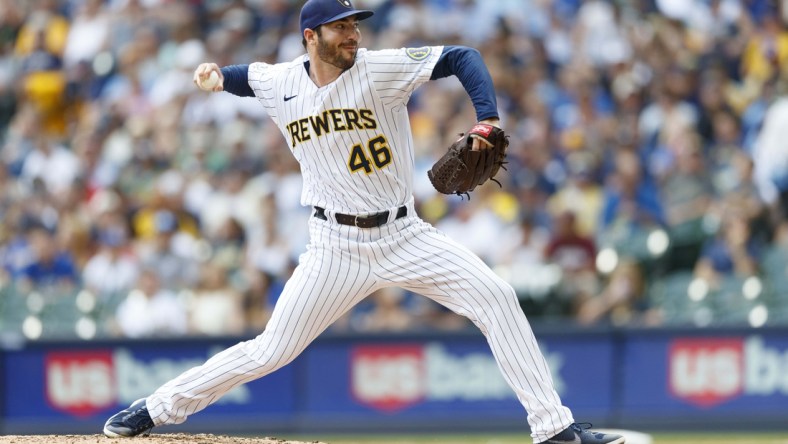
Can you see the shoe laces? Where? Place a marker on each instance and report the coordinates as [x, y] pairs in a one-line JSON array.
[[139, 419], [581, 427]]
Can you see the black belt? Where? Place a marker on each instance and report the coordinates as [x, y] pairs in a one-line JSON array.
[[371, 221]]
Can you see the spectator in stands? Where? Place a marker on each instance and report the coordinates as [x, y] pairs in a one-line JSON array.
[[723, 144], [11, 18], [666, 118], [15, 251], [96, 98], [600, 33], [580, 193], [215, 308], [621, 301], [267, 250], [43, 15], [527, 243], [46, 157], [171, 252], [150, 310], [522, 260], [43, 80], [686, 190], [738, 193], [631, 205], [687, 196], [766, 53], [19, 138], [165, 199], [114, 269], [228, 246], [477, 224], [575, 254], [88, 33], [52, 267], [733, 252], [73, 230]]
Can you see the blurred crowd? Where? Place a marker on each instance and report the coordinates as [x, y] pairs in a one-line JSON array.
[[649, 142]]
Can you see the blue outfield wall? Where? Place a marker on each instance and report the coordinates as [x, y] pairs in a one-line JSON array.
[[654, 379]]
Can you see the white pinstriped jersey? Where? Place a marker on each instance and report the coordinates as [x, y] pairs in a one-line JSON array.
[[353, 141], [351, 137]]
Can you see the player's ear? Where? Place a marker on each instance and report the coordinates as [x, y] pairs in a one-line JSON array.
[[309, 36]]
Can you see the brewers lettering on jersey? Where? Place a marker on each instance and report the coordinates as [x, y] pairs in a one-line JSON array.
[[342, 110]]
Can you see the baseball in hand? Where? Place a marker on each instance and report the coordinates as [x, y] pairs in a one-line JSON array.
[[211, 82]]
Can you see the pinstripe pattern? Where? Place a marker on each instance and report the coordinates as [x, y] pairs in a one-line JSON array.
[[379, 81], [343, 264]]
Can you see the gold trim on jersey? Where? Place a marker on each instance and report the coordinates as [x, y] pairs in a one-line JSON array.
[[331, 120], [378, 154]]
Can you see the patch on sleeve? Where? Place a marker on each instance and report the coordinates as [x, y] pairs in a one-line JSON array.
[[418, 54]]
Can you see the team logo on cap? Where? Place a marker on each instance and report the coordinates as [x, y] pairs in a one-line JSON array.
[[418, 54], [345, 3]]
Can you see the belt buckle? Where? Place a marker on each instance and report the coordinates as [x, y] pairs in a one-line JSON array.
[[355, 222]]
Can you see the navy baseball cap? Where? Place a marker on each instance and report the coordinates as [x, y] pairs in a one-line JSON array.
[[318, 12]]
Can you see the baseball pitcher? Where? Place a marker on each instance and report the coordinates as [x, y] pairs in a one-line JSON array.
[[342, 110]]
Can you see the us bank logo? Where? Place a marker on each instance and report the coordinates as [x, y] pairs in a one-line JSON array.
[[84, 383], [708, 372], [396, 377]]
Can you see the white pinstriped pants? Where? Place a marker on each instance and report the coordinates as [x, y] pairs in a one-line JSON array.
[[341, 267]]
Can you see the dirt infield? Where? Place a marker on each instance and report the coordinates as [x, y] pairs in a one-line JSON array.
[[164, 438]]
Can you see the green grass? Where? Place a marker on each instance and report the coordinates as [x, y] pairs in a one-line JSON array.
[[659, 438]]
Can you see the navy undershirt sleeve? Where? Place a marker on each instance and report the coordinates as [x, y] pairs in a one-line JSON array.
[[236, 80], [467, 64]]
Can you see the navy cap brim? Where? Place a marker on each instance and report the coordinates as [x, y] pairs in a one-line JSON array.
[[361, 13]]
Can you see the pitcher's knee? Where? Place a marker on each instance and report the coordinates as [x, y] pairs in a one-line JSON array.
[[500, 301], [271, 355], [503, 295]]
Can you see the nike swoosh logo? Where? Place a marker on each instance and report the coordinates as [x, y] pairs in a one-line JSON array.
[[290, 98], [576, 440]]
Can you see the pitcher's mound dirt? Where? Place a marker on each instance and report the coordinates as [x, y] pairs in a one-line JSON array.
[[156, 438]]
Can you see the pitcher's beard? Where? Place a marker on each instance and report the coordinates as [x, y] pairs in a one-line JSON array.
[[333, 56]]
